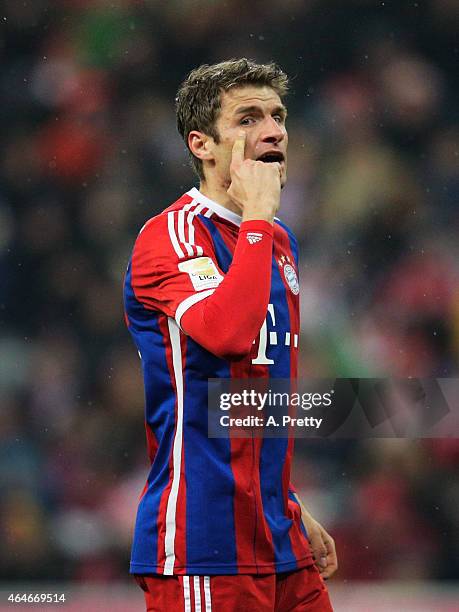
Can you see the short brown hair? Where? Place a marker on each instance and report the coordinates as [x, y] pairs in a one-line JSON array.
[[199, 96]]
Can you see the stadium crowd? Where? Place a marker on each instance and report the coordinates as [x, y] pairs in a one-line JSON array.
[[89, 151]]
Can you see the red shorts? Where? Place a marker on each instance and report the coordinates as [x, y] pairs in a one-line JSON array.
[[299, 591]]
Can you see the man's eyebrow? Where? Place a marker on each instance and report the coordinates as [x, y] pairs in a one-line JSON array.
[[256, 109]]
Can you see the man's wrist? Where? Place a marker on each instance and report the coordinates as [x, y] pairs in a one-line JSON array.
[[262, 216], [257, 211], [257, 225]]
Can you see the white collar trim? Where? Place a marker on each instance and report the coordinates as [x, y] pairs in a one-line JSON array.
[[220, 210]]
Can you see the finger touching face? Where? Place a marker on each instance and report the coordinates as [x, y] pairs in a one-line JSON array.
[[238, 150]]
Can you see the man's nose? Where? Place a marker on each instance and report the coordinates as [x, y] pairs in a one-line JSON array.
[[272, 131]]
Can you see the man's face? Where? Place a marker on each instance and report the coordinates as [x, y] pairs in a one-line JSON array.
[[260, 113]]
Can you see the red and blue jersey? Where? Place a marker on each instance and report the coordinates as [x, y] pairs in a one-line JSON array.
[[211, 505]]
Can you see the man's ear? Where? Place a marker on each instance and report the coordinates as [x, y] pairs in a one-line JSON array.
[[201, 145]]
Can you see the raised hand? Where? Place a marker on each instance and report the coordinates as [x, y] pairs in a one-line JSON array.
[[255, 185]]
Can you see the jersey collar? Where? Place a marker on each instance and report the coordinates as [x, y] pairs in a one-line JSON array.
[[218, 209]]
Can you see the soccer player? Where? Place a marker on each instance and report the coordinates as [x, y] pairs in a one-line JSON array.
[[212, 291]]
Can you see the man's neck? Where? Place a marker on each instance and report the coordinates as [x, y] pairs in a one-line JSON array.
[[218, 194]]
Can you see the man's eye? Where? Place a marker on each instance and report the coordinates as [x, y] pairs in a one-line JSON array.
[[247, 121], [278, 118]]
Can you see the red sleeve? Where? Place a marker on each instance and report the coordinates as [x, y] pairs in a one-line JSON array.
[[227, 322], [223, 313]]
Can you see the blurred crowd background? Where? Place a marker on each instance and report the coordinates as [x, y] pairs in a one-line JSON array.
[[89, 151]]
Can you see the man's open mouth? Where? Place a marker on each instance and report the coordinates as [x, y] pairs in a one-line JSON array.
[[271, 157]]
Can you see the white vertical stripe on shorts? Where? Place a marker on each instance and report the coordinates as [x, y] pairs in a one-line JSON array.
[[207, 598], [186, 593], [197, 593]]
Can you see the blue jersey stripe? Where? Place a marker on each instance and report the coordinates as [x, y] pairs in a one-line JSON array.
[[278, 352], [210, 538], [273, 501], [291, 238], [224, 257], [293, 498]]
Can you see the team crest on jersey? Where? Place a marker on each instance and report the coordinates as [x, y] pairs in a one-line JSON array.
[[286, 264], [202, 271]]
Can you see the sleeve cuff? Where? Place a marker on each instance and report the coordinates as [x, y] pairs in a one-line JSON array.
[[257, 225]]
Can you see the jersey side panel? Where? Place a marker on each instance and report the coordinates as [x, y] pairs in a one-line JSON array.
[[145, 327]]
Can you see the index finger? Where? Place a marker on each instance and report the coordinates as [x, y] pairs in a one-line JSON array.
[[237, 154]]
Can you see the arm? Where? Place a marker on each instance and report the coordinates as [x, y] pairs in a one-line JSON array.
[[322, 544], [227, 322]]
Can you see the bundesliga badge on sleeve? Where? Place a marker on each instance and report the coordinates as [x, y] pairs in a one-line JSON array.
[[202, 272]]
